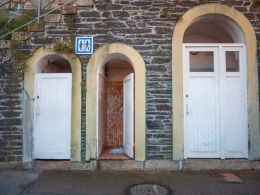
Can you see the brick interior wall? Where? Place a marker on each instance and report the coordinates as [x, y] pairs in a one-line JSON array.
[[102, 114], [114, 134]]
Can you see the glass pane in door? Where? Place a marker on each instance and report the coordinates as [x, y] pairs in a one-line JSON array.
[[232, 61], [201, 61]]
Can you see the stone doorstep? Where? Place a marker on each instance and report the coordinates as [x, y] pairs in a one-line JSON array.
[[215, 164], [41, 165], [15, 166], [131, 165]]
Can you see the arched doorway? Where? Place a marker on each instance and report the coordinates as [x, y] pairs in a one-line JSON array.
[[116, 109], [52, 129], [218, 48], [123, 60], [214, 89], [47, 72]]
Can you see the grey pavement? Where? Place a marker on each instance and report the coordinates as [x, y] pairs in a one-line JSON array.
[[15, 182], [116, 183]]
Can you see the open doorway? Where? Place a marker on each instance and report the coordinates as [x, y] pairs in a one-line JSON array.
[[53, 97], [116, 110]]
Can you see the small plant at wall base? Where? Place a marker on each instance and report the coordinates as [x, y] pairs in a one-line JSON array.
[[83, 87]]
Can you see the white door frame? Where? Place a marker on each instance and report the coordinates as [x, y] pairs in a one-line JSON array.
[[36, 110], [243, 71]]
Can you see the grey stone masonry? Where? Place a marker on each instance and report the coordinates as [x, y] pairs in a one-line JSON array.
[[11, 146], [147, 26]]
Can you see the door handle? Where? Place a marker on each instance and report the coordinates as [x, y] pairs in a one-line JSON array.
[[37, 106], [187, 109]]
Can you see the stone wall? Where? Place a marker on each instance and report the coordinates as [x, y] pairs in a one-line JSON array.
[[145, 25], [11, 147]]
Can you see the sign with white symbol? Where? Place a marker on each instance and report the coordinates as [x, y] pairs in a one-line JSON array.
[[84, 45]]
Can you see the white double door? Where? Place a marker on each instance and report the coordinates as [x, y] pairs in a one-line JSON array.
[[215, 101], [52, 135]]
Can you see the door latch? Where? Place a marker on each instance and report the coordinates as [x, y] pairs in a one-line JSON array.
[[187, 109]]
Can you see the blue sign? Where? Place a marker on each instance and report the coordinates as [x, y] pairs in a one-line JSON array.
[[84, 45]]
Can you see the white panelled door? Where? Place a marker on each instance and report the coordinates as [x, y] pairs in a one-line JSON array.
[[52, 137], [215, 107], [128, 138]]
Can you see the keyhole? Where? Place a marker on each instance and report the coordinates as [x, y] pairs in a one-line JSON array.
[[187, 95]]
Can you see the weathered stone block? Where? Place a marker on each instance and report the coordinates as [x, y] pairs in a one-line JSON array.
[[161, 165], [5, 44], [70, 10], [52, 18], [89, 13], [83, 3], [36, 27], [120, 14], [20, 36], [119, 165]]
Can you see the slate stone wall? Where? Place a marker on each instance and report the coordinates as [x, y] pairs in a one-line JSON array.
[[145, 25], [11, 83]]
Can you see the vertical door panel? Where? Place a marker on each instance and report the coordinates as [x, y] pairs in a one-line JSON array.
[[201, 89], [128, 140], [202, 117], [53, 116], [233, 103]]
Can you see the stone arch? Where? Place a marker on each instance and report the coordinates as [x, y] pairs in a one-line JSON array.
[[177, 74], [29, 95], [98, 59]]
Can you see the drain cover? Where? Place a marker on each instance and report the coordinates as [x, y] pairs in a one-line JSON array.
[[148, 189]]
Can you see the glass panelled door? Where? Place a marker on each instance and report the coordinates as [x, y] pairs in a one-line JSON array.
[[214, 102]]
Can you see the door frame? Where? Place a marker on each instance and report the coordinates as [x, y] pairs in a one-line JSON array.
[[177, 74], [29, 104], [219, 50], [101, 56], [35, 112]]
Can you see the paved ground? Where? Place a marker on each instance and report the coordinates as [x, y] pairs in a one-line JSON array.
[[116, 183], [15, 182]]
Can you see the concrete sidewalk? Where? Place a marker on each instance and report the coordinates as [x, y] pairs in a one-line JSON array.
[[113, 183]]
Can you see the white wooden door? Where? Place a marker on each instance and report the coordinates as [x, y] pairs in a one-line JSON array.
[[215, 118], [202, 135], [128, 138], [233, 103], [52, 137]]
